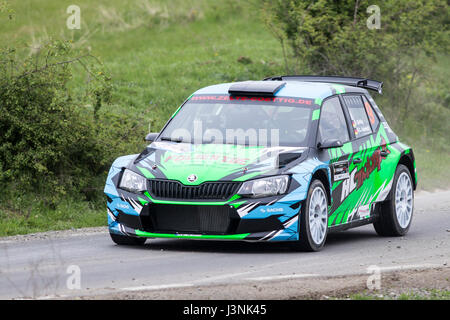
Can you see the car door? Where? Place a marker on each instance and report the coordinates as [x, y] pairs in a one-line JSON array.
[[382, 136], [360, 189], [333, 124]]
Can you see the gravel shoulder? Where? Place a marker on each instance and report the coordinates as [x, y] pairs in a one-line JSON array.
[[53, 235], [392, 286]]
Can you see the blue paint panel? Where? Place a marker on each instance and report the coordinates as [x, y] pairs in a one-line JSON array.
[[123, 206], [124, 161], [118, 164], [288, 234], [114, 228], [278, 208], [311, 90], [305, 90]]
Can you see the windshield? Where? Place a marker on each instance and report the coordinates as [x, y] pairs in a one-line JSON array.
[[251, 123]]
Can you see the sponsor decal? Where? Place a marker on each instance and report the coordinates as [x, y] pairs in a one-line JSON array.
[[207, 158], [270, 210], [357, 177], [372, 163], [355, 129], [228, 98], [340, 170], [369, 112], [364, 211]]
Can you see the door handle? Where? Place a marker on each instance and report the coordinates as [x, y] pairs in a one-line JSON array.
[[384, 153], [357, 160]]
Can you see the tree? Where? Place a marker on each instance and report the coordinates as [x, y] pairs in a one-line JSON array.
[[332, 38]]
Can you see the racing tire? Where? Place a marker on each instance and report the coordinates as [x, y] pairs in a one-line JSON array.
[[126, 240], [395, 215], [313, 228]]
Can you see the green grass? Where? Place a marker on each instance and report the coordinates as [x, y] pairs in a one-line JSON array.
[[433, 168], [157, 62], [432, 294], [37, 218], [159, 52], [429, 130]]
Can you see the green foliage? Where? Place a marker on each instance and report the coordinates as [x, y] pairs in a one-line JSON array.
[[417, 294], [28, 214], [50, 144], [333, 38], [6, 11]]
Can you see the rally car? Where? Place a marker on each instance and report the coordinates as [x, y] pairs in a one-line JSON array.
[[288, 158]]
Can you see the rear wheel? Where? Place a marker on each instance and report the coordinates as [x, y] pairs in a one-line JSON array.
[[126, 240], [313, 227], [395, 214]]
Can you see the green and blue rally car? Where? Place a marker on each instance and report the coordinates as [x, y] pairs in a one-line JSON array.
[[289, 158]]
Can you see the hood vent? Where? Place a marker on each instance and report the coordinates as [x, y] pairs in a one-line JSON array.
[[285, 158], [147, 151], [256, 88]]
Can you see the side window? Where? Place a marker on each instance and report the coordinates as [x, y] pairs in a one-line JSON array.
[[358, 115], [373, 117], [332, 123]]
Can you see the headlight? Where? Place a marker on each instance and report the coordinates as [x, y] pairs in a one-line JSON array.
[[132, 181], [264, 187]]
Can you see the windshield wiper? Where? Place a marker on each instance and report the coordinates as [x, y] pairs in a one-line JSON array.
[[171, 139]]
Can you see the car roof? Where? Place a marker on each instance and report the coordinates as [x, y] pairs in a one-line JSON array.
[[293, 88]]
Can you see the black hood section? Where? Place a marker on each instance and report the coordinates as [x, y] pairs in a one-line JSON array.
[[289, 159], [147, 151], [286, 158]]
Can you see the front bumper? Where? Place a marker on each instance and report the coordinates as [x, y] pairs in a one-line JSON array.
[[249, 219]]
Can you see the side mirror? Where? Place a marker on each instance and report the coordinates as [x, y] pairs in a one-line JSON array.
[[329, 143], [151, 136]]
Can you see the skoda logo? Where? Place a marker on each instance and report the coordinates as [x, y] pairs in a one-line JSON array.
[[192, 178]]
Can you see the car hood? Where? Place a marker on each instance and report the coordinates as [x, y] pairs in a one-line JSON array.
[[193, 164]]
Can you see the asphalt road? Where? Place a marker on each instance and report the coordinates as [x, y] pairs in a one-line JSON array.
[[47, 265]]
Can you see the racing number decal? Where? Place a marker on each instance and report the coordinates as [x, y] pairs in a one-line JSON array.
[[369, 112]]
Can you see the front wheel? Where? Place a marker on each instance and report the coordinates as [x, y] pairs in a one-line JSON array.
[[313, 227], [395, 214], [126, 240]]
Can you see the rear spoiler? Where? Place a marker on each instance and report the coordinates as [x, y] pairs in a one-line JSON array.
[[348, 81]]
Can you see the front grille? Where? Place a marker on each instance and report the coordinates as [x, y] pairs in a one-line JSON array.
[[190, 218], [167, 189]]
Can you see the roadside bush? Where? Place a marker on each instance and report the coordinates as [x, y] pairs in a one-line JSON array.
[[54, 143], [332, 38]]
